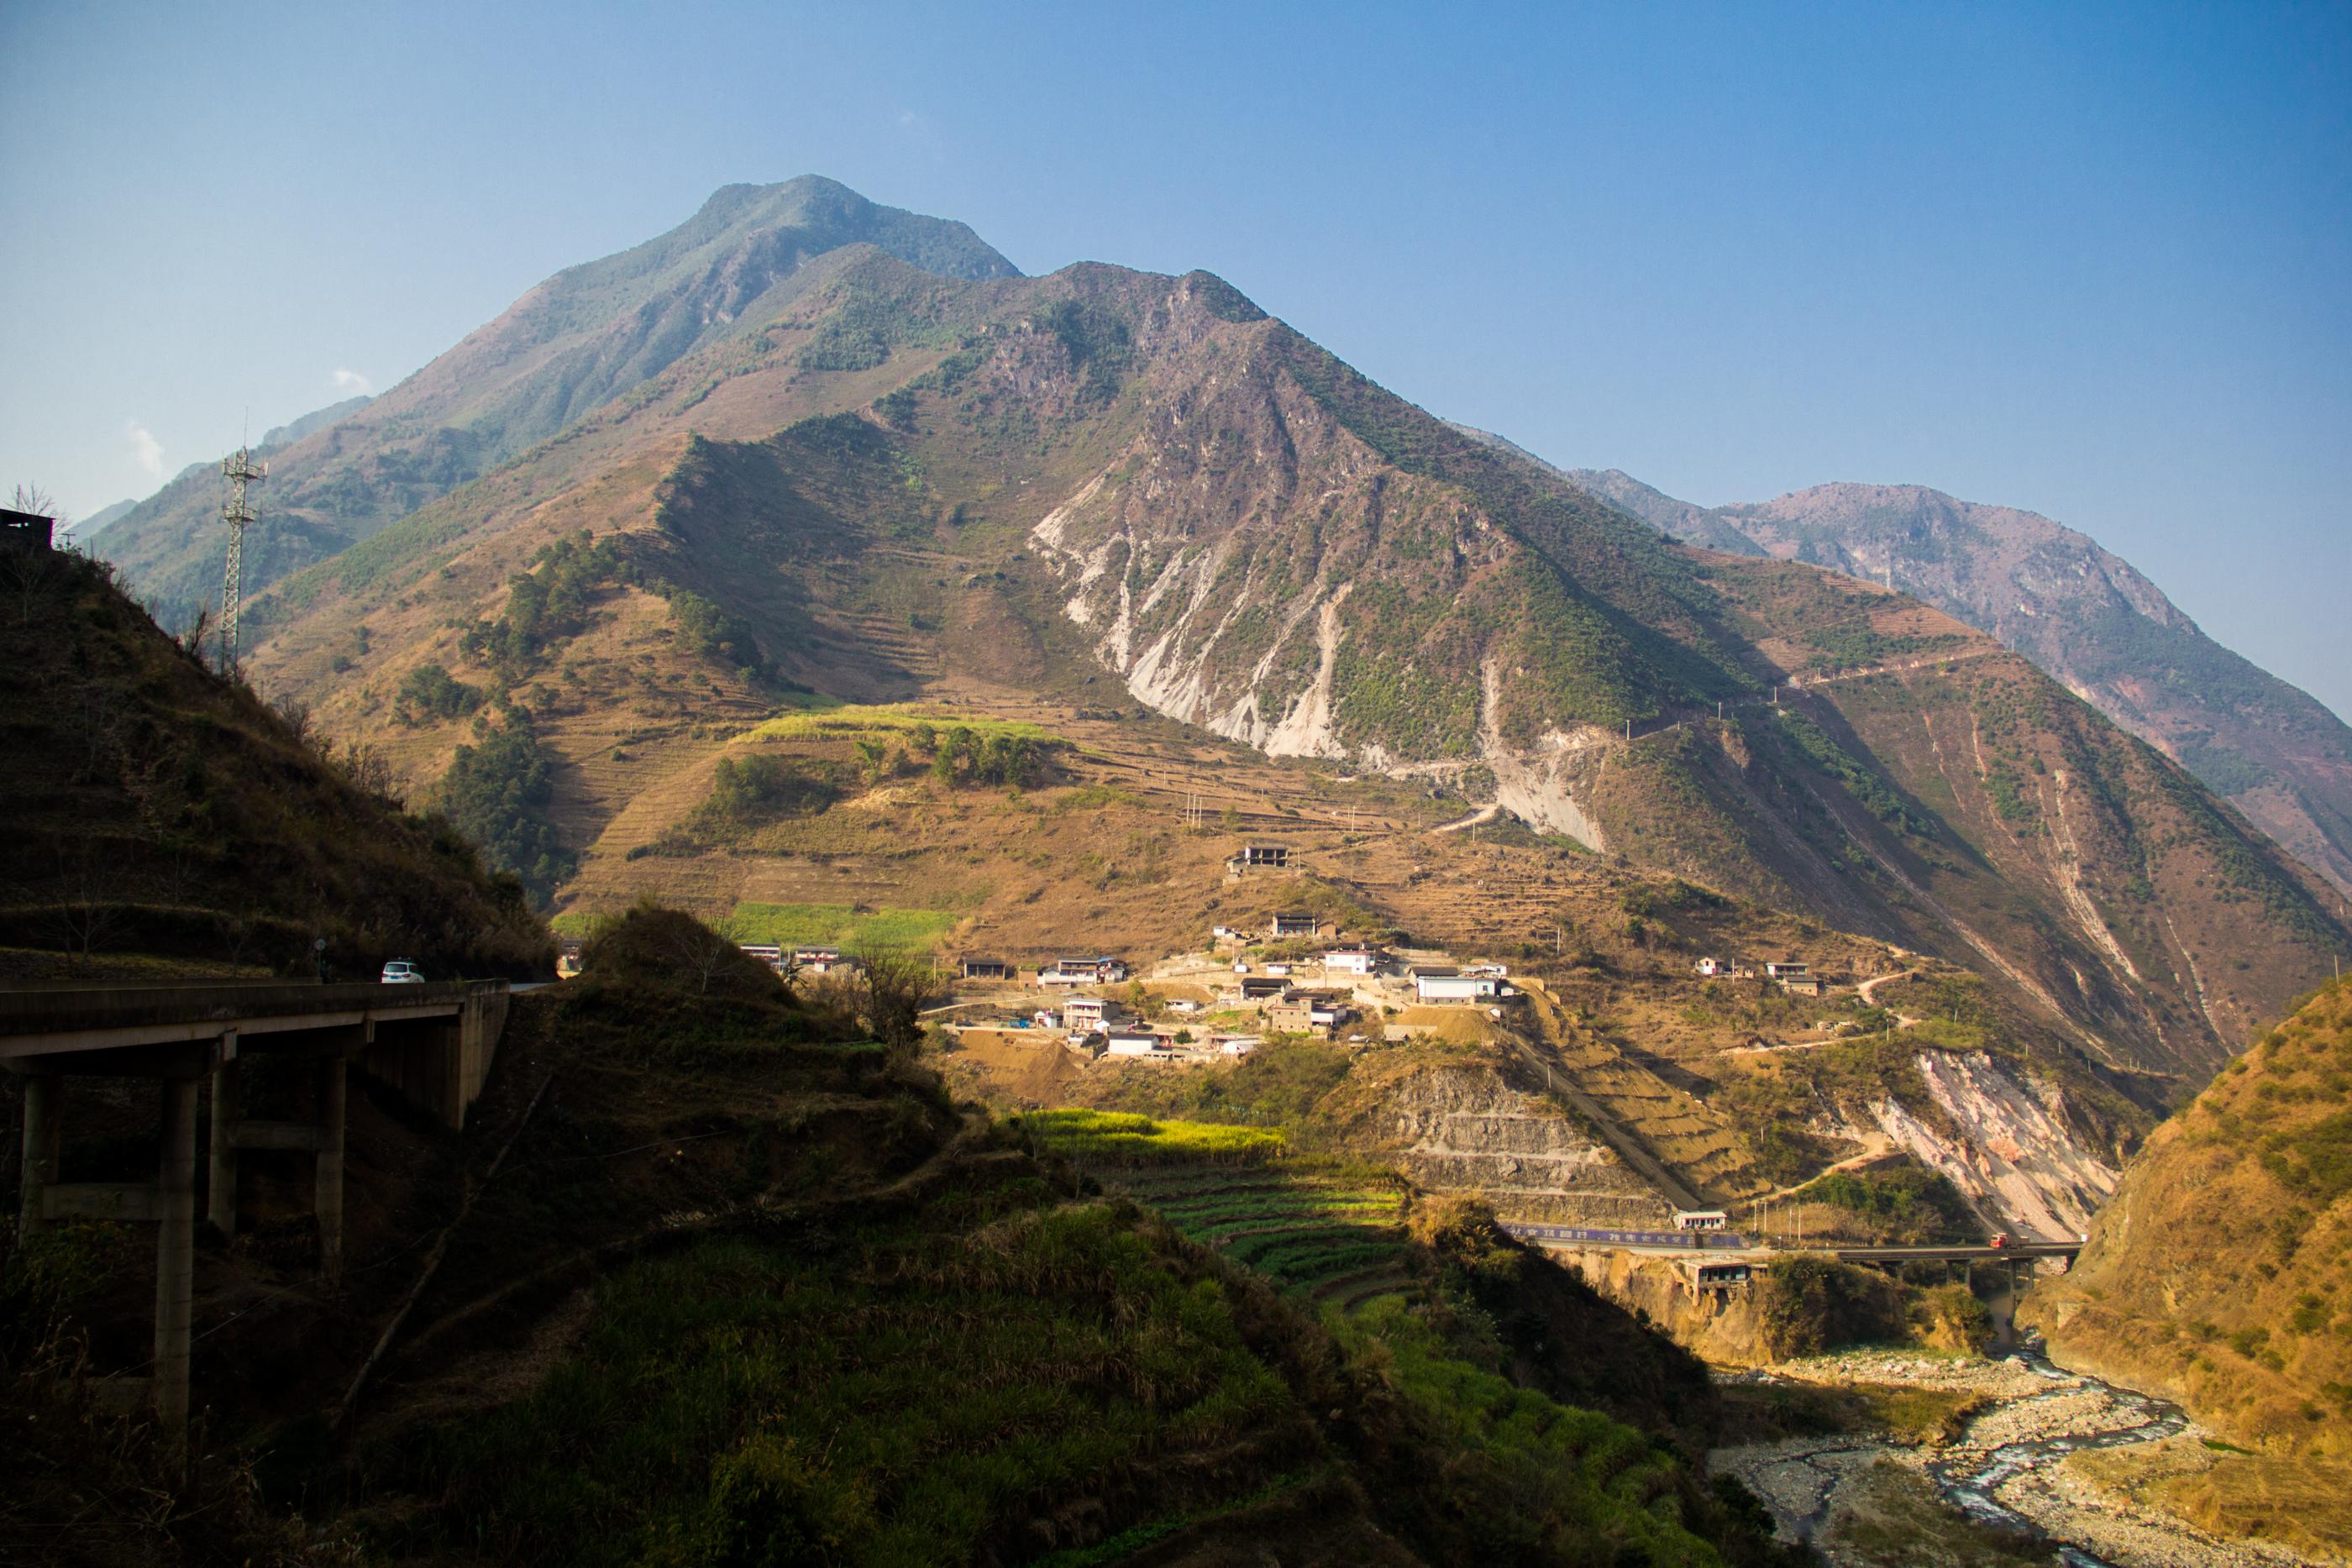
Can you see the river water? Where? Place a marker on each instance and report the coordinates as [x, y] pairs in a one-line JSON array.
[[2007, 1469], [2035, 1433]]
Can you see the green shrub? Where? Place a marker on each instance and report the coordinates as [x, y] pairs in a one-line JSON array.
[[1808, 1304], [430, 693]]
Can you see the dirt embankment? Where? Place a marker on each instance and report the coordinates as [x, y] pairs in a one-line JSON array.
[[1723, 1326], [1465, 1128]]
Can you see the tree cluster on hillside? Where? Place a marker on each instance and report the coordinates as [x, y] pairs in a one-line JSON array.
[[549, 602], [961, 757], [430, 693], [498, 794], [759, 790]]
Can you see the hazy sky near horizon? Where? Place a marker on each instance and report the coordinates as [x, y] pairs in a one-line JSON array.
[[2091, 260]]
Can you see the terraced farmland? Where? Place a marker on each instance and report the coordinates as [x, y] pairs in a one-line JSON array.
[[1329, 1229]]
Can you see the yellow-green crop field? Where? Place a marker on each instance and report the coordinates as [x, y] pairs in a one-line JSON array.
[[1332, 1230], [887, 718]]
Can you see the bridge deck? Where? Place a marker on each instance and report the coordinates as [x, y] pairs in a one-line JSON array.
[[41, 1022]]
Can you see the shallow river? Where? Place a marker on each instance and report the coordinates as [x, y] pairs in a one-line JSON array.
[[2038, 1432], [2007, 1469]]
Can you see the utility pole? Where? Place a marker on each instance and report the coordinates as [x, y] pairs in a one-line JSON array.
[[240, 470]]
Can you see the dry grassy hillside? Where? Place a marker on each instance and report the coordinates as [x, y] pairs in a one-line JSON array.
[[2221, 1274]]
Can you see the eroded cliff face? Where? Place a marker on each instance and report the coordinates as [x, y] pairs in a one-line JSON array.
[[2015, 1158], [1721, 1326], [1466, 1129]]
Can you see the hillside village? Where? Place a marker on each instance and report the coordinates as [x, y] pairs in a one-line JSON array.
[[1296, 977]]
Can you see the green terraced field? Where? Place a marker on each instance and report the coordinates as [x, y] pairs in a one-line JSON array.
[[1333, 1232]]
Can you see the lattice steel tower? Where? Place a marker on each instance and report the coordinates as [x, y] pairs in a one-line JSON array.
[[241, 470]]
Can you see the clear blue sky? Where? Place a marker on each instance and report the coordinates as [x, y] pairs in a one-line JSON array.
[[2093, 261]]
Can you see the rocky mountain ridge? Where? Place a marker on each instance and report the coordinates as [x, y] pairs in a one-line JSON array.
[[2079, 612]]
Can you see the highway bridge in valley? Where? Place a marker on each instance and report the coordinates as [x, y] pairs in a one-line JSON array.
[[1717, 1243], [430, 1043]]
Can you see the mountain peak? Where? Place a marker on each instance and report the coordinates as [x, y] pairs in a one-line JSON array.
[[830, 214]]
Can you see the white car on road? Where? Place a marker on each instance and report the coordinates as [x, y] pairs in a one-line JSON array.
[[401, 972]]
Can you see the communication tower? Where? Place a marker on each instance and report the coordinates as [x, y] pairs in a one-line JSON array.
[[240, 470]]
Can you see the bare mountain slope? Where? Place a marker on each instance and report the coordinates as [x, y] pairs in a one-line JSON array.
[[1109, 486], [2080, 613], [575, 341]]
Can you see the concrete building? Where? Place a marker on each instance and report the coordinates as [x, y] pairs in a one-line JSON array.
[[1084, 1015], [1083, 972], [1352, 961], [1293, 923], [26, 530], [1440, 984], [986, 969]]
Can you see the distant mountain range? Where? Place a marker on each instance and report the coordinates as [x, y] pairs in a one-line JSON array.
[[89, 527], [2080, 613], [823, 444]]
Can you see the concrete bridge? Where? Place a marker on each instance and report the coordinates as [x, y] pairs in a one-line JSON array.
[[1761, 1255], [431, 1043]]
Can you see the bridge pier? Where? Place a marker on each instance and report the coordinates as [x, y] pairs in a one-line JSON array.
[[175, 1259], [220, 1187], [321, 1137], [44, 1095], [327, 1191]]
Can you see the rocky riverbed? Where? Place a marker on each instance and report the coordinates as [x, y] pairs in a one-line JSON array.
[[1999, 1490]]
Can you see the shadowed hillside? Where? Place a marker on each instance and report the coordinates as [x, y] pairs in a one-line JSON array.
[[156, 809], [721, 1279]]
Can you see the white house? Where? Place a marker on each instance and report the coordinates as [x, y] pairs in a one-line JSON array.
[[1443, 985], [1234, 1044], [1787, 971], [1083, 972], [1139, 1042], [821, 960], [1710, 967], [1351, 961], [1084, 1015]]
